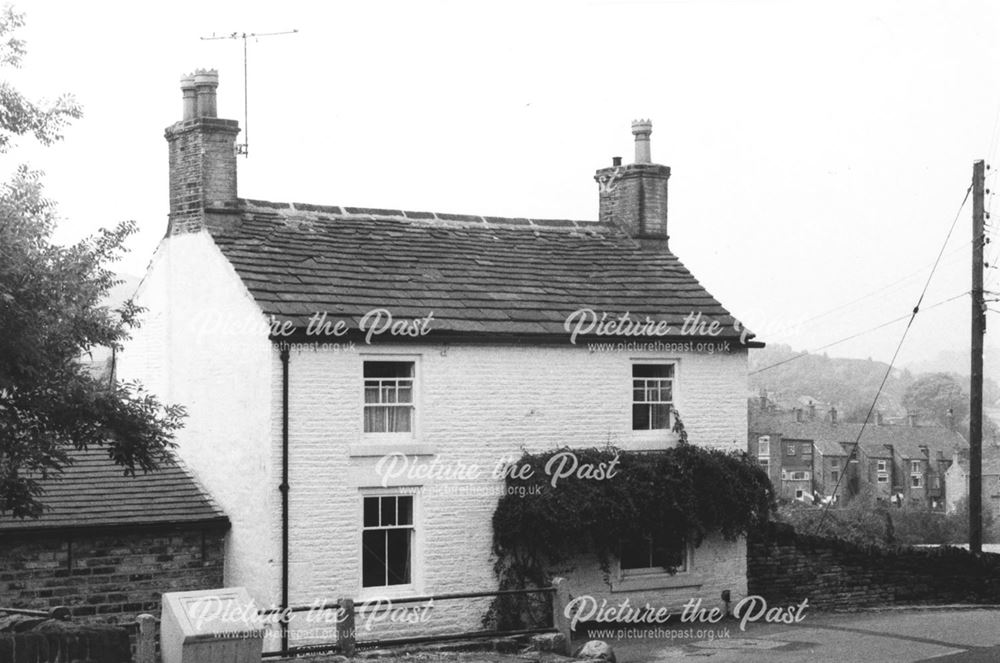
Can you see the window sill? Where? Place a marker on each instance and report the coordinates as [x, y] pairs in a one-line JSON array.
[[657, 581], [389, 592], [384, 447], [656, 440]]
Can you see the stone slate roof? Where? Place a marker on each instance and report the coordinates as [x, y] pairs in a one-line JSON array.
[[829, 438], [93, 493], [476, 274]]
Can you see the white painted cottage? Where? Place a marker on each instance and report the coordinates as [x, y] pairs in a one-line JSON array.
[[256, 323]]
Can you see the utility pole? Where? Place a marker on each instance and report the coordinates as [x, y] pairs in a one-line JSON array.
[[976, 374]]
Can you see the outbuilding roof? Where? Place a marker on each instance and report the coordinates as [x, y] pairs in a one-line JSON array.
[[92, 492]]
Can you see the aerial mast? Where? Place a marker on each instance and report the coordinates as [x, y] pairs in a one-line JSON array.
[[244, 147]]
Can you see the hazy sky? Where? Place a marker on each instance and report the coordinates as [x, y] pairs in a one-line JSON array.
[[820, 150]]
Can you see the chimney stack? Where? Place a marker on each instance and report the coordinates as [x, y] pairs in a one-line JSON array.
[[634, 197], [202, 151]]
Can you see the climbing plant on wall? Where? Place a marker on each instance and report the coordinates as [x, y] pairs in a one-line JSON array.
[[549, 514]]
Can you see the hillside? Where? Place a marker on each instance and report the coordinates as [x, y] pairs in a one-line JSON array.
[[848, 384]]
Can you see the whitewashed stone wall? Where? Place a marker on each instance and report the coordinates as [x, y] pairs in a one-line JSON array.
[[476, 405], [203, 344]]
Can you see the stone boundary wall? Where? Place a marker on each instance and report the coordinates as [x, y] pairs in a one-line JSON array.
[[786, 567]]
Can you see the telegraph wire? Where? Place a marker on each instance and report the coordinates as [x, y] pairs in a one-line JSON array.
[[884, 288], [892, 362], [916, 309], [856, 335]]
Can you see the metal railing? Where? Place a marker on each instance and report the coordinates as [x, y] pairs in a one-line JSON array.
[[347, 643], [60, 612]]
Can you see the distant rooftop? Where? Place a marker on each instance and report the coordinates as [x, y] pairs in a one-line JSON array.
[[830, 437]]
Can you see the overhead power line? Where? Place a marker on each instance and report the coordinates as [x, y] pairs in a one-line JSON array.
[[889, 286], [895, 355], [856, 335], [916, 309]]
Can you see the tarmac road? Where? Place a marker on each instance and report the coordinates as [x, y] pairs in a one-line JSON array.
[[945, 635]]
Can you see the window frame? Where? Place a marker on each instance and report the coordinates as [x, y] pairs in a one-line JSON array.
[[881, 466], [631, 580], [381, 444], [413, 396], [671, 404], [655, 570], [790, 448], [653, 439], [764, 443], [416, 543]]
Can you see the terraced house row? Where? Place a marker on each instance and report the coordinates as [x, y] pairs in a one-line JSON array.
[[808, 456]]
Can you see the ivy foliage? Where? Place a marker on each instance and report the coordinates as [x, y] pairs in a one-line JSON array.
[[686, 492]]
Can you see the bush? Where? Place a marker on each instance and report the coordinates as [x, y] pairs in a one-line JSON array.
[[863, 520], [866, 521]]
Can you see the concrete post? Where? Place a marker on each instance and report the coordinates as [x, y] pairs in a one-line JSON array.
[[559, 618], [145, 642], [346, 629]]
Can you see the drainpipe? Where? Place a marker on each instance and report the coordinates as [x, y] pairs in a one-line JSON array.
[[284, 499]]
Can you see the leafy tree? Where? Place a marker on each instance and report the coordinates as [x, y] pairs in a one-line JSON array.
[[18, 115], [51, 314], [937, 394]]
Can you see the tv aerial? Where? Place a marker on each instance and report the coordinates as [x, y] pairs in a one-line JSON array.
[[244, 147]]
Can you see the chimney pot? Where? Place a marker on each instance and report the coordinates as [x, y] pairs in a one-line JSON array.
[[190, 97], [833, 415], [641, 129], [616, 161], [206, 81]]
